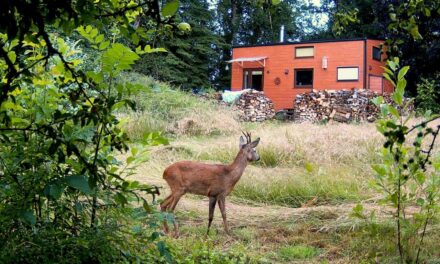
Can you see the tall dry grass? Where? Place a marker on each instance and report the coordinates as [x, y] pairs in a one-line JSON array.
[[299, 162], [175, 112]]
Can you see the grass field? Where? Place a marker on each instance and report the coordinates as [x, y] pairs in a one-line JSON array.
[[292, 206]]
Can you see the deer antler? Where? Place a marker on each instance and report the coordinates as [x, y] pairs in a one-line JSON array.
[[248, 136]]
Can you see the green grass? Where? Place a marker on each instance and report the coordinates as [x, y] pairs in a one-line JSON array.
[[297, 187], [297, 252]]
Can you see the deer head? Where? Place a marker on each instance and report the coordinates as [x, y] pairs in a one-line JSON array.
[[248, 147]]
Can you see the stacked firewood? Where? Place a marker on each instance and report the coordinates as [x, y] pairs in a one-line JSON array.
[[254, 106], [340, 106]]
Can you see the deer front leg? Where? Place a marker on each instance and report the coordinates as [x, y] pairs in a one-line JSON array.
[[173, 204], [221, 205], [163, 207], [212, 202]]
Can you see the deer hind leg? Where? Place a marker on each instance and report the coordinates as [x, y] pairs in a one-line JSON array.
[[212, 202], [221, 205]]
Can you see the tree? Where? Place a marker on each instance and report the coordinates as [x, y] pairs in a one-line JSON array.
[[188, 62]]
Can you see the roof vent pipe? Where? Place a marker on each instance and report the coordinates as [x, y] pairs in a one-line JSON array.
[[282, 34]]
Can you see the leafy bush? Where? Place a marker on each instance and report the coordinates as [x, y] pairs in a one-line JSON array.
[[124, 235], [58, 137], [409, 172], [428, 95]]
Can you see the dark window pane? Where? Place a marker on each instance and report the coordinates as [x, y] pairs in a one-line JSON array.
[[376, 53], [304, 77]]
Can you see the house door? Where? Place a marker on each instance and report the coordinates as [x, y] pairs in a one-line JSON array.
[[253, 78], [376, 83]]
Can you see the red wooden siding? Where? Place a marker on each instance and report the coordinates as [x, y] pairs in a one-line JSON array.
[[375, 67], [281, 63], [375, 83]]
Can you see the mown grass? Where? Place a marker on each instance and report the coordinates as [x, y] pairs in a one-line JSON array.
[[310, 236]]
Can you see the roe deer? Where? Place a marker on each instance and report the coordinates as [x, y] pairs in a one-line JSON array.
[[214, 181]]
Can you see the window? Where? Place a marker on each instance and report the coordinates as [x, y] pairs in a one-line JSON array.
[[304, 78], [348, 73], [253, 78], [377, 53], [304, 52]]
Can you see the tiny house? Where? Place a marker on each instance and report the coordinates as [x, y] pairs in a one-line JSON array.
[[283, 70]]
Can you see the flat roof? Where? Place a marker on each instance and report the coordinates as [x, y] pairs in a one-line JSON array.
[[304, 42]]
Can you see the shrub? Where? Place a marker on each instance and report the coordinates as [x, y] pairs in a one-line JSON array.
[[428, 95]]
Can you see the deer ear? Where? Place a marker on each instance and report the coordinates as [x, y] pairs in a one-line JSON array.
[[255, 143], [242, 141]]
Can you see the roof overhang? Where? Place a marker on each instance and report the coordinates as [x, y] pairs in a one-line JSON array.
[[240, 61]]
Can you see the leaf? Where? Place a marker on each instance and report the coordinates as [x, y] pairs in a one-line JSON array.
[[147, 207], [120, 199], [415, 32], [104, 45], [379, 169], [393, 16], [392, 65], [78, 182], [118, 58], [53, 191], [170, 8], [394, 111], [12, 56], [402, 72], [377, 101], [8, 105], [148, 49], [99, 38], [164, 251], [28, 217]]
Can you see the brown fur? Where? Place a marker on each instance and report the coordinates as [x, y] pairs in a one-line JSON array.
[[214, 181]]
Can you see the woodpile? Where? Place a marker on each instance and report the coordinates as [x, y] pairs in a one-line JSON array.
[[341, 106], [254, 106]]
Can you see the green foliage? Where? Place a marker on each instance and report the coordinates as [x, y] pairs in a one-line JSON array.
[[187, 64], [409, 174], [202, 251], [59, 133], [428, 95], [125, 235]]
